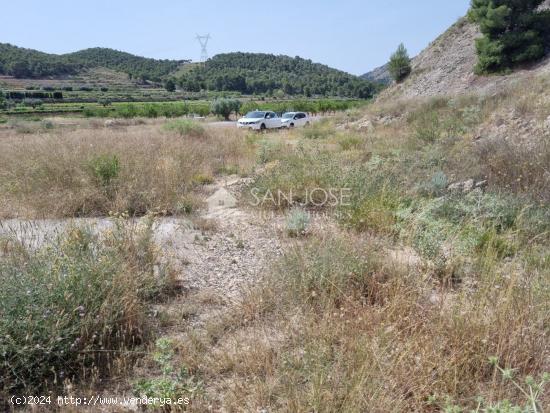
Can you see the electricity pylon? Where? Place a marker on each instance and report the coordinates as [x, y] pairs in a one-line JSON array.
[[203, 41]]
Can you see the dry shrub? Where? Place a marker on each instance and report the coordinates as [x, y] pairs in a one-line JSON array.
[[62, 174]]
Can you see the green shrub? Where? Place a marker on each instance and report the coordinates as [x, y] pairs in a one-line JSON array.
[[104, 102], [186, 127], [297, 222], [105, 168], [127, 111], [71, 305], [170, 85], [295, 177], [472, 222], [427, 126], [373, 209], [349, 142], [174, 383], [436, 186]]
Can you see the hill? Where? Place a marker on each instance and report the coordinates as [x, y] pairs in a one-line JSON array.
[[254, 73], [28, 63], [20, 62], [446, 67], [135, 66]]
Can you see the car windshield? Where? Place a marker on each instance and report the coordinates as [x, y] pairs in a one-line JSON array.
[[255, 115], [288, 115]]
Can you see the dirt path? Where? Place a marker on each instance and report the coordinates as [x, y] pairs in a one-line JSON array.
[[233, 252]]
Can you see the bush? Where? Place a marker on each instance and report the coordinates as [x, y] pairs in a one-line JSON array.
[[105, 168], [170, 85], [400, 64], [70, 306], [299, 178], [186, 127], [104, 102], [373, 208], [297, 222], [349, 142], [427, 126]]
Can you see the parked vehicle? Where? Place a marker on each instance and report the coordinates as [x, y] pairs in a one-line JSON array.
[[295, 119], [260, 120]]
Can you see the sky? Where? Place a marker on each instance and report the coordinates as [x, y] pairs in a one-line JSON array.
[[351, 35]]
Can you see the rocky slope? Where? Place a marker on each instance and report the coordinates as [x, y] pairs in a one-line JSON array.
[[446, 67], [379, 75]]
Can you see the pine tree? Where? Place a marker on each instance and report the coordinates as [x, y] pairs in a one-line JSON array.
[[400, 64], [514, 32]]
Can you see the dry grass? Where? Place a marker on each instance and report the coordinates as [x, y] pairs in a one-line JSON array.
[[518, 169], [336, 327], [55, 173]]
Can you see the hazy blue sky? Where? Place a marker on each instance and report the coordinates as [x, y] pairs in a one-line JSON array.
[[352, 35]]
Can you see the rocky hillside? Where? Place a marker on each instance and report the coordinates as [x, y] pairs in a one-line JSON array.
[[379, 75], [446, 67], [508, 111]]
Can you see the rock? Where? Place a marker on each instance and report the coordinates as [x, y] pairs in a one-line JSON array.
[[468, 185], [456, 187], [464, 186], [482, 184], [365, 125]]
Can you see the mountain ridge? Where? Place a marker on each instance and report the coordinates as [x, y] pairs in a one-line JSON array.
[[248, 73]]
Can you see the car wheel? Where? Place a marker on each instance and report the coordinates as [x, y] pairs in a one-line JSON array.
[[292, 125], [262, 126], [307, 124]]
